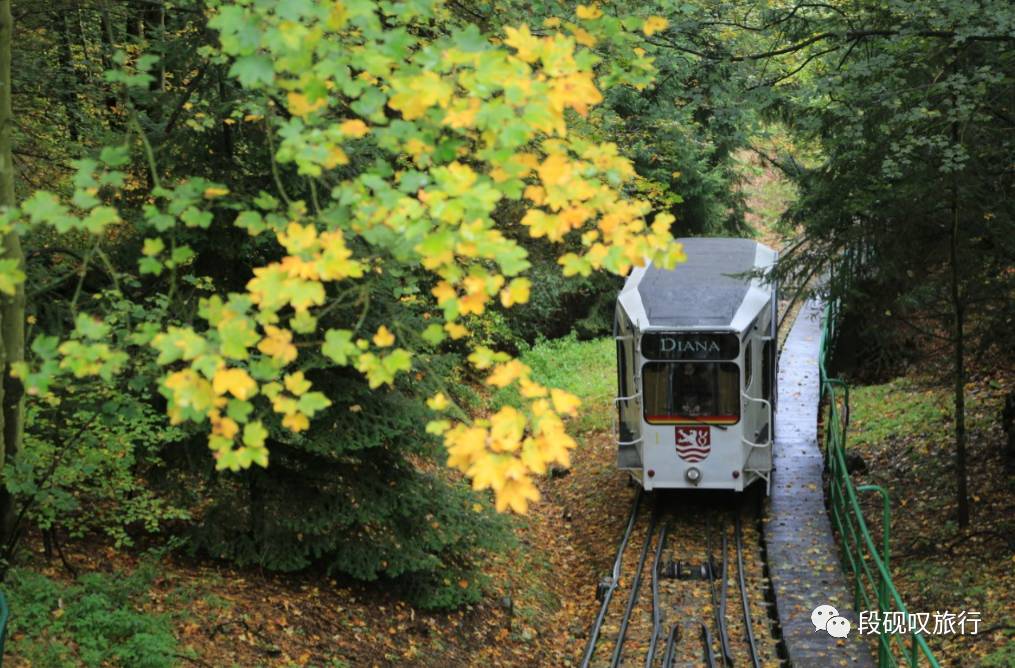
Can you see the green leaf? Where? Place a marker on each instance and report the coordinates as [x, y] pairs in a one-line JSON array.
[[90, 328], [193, 217], [253, 71], [254, 434], [338, 345], [399, 360], [11, 276], [153, 247], [311, 402], [239, 410], [237, 335], [149, 265], [433, 334], [251, 221], [99, 218], [44, 207]]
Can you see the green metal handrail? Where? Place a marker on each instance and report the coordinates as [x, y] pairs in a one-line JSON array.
[[871, 574], [4, 614]]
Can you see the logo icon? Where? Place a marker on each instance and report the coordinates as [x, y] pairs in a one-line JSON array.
[[693, 443], [826, 618]]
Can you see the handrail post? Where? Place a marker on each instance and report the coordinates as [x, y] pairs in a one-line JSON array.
[[884, 657]]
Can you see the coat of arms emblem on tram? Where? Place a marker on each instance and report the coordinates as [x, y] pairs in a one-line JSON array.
[[693, 443]]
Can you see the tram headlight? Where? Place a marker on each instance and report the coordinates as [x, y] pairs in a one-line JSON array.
[[693, 475]]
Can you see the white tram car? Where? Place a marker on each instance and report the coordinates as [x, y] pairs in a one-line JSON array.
[[696, 366]]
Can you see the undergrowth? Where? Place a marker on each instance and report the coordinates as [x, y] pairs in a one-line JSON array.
[[97, 620]]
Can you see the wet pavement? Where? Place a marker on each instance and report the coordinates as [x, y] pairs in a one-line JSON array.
[[802, 554]]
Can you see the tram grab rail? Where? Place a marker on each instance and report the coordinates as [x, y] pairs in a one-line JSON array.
[[872, 579]]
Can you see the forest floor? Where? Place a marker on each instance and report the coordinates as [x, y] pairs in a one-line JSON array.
[[903, 430], [225, 616]]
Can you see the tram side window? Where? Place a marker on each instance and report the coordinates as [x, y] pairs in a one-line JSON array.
[[691, 392], [748, 364], [766, 371]]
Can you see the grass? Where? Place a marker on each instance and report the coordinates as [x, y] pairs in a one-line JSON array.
[[587, 369], [902, 408]]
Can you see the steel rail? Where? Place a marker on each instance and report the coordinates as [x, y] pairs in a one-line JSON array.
[[671, 645], [723, 599], [717, 607], [597, 626], [738, 539], [706, 640], [657, 619], [632, 599]]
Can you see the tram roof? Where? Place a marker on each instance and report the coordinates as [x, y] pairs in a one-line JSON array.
[[704, 292]]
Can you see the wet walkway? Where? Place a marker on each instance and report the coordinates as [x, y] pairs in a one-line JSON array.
[[802, 555]]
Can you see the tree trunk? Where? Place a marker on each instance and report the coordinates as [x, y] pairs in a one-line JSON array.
[[69, 78], [12, 308], [958, 342]]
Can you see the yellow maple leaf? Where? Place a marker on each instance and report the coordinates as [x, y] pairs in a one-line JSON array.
[[383, 338], [278, 344], [297, 238], [234, 381], [536, 194], [297, 383], [225, 427], [438, 402], [354, 127], [296, 422], [473, 303], [541, 224], [654, 24], [565, 402], [417, 94], [507, 426], [489, 471], [583, 37], [517, 292], [588, 12], [526, 45], [515, 494], [465, 445], [455, 331], [555, 170], [462, 115], [531, 390], [444, 292], [576, 90], [335, 158], [300, 105], [505, 374]]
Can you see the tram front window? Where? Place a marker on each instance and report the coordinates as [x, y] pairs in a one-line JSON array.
[[691, 392]]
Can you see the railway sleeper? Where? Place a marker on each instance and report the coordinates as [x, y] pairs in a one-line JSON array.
[[687, 570]]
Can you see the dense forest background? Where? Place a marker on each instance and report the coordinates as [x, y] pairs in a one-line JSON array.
[[377, 166]]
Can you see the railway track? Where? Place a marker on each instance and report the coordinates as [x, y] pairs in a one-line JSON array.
[[708, 599], [690, 588]]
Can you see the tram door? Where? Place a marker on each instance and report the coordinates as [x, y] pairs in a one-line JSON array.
[[757, 395], [628, 401]]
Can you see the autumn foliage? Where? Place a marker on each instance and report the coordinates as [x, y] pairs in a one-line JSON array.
[[458, 124]]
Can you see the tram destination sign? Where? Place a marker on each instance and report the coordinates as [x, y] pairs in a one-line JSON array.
[[688, 346]]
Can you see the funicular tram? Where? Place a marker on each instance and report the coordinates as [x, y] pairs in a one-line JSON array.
[[696, 366]]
